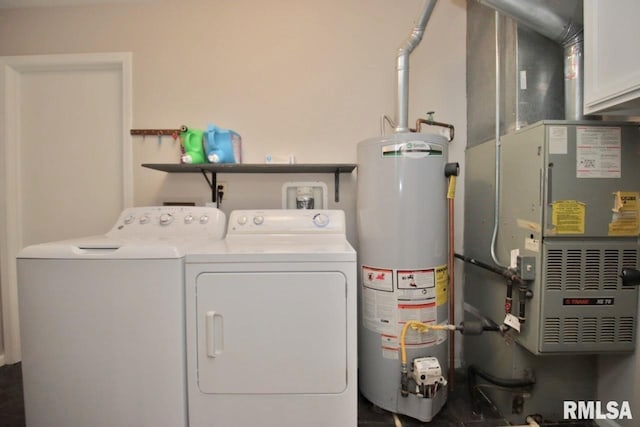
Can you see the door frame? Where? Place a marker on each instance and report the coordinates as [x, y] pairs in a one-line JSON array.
[[11, 239]]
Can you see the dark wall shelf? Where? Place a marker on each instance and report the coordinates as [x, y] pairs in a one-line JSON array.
[[213, 169]]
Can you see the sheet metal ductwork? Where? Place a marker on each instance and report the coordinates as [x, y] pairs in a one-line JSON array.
[[545, 18]]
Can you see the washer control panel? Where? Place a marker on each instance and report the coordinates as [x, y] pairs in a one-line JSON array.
[[286, 221], [170, 221]]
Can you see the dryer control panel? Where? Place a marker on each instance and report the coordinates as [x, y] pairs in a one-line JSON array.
[[286, 221], [170, 221]]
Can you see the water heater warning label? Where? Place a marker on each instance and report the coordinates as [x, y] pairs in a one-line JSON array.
[[391, 297], [415, 279], [377, 278]]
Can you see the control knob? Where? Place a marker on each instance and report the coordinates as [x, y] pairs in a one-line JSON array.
[[321, 220], [166, 219]]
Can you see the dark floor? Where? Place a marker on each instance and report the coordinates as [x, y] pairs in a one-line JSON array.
[[456, 413]]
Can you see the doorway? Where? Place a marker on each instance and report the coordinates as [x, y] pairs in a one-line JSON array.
[[67, 169]]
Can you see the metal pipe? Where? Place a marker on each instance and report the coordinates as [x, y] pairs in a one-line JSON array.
[[431, 122], [403, 66], [452, 303], [507, 273], [508, 302], [573, 79]]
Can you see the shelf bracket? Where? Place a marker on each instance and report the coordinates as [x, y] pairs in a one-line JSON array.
[[213, 185], [336, 175]]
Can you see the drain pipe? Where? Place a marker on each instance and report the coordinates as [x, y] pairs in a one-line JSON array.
[[541, 18], [403, 66]]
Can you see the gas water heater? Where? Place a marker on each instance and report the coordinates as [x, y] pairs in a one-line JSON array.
[[402, 229]]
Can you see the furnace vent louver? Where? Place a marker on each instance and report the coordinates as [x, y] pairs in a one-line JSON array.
[[587, 269], [625, 329], [554, 270], [590, 330], [608, 330], [574, 331], [585, 308]]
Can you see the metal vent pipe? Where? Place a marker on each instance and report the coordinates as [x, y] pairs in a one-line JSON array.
[[403, 66], [543, 19]]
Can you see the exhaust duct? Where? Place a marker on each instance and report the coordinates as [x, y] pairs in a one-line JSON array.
[[404, 51], [545, 20]]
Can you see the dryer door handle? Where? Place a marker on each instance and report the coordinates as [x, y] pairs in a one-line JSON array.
[[214, 332]]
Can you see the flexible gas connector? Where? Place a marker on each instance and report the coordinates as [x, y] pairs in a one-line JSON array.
[[421, 327]]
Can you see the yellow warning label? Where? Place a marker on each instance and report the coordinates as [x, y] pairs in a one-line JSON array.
[[568, 216], [442, 285], [624, 220]]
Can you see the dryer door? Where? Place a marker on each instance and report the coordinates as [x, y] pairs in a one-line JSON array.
[[272, 332]]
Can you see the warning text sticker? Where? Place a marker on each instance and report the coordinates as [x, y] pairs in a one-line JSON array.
[[569, 216], [598, 152], [377, 278]]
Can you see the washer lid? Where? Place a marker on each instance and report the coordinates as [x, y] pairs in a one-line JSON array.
[[103, 247], [153, 232]]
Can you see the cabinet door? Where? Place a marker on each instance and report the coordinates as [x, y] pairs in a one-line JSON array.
[[272, 332], [612, 65]]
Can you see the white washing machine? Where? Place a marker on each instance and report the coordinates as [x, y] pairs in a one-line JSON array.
[[102, 321], [271, 323]]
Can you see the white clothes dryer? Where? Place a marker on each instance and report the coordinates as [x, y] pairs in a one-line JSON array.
[[271, 323], [102, 321]]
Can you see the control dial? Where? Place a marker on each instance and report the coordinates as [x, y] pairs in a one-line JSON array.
[[166, 219], [321, 220], [258, 220]]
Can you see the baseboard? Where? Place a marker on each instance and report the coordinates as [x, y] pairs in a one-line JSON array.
[[608, 423]]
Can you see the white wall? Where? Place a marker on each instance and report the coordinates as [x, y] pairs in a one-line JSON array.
[[305, 77]]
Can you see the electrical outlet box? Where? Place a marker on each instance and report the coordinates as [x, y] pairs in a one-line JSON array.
[[222, 186]]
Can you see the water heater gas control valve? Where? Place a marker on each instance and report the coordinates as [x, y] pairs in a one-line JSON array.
[[427, 371]]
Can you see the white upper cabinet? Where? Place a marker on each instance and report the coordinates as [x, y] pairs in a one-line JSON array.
[[612, 57]]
